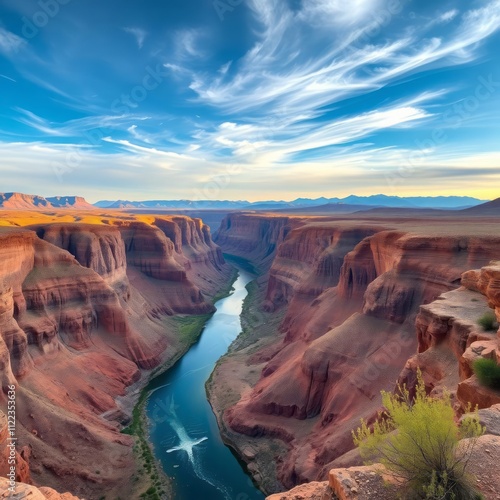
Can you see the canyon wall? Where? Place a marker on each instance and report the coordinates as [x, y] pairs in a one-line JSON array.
[[83, 311], [451, 339], [350, 292], [254, 238]]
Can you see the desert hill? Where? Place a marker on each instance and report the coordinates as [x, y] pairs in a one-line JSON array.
[[489, 208]]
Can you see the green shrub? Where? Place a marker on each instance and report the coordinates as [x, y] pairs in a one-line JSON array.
[[488, 321], [488, 372], [416, 439]]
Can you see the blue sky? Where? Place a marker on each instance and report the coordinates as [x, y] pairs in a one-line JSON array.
[[249, 99]]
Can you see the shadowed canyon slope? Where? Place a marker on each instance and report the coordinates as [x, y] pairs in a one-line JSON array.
[[348, 292], [450, 340], [86, 306]]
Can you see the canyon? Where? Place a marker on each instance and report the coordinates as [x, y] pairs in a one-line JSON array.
[[343, 308], [88, 308]]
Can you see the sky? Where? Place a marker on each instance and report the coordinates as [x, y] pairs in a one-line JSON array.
[[249, 99]]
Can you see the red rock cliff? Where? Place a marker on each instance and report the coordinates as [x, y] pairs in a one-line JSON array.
[[81, 317], [450, 339], [254, 237], [100, 248], [351, 291]]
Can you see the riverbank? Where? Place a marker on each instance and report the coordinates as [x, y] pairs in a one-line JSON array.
[[154, 484], [234, 376]]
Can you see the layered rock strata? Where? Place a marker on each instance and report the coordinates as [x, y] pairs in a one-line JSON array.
[[84, 314], [350, 291], [451, 338]]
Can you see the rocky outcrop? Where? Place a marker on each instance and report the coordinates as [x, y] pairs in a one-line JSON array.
[[414, 270], [100, 248], [451, 339], [55, 303], [82, 318], [70, 202], [354, 483], [151, 252], [22, 491], [311, 491], [370, 482], [487, 282], [180, 257], [20, 201], [350, 293], [309, 261], [192, 238]]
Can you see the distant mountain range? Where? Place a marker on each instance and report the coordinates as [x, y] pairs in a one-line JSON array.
[[378, 200], [175, 204], [20, 201]]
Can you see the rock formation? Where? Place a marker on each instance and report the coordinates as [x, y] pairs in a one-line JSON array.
[[70, 202], [24, 491], [83, 310], [254, 238], [349, 292], [451, 339], [20, 201]]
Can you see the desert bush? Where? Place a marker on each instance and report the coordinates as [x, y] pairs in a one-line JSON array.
[[416, 439], [488, 372], [488, 321]]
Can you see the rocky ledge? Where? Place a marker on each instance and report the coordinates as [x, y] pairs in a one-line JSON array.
[[373, 482]]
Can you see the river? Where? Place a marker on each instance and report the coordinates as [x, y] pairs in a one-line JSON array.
[[182, 426]]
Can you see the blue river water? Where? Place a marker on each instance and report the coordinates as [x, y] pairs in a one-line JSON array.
[[182, 426]]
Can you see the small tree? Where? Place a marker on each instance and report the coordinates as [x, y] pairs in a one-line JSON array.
[[416, 439]]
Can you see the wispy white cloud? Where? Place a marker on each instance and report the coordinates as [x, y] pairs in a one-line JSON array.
[[448, 15], [338, 12], [80, 126], [139, 35], [134, 148], [133, 130], [278, 76], [45, 169], [10, 43], [42, 168], [225, 68], [187, 43], [270, 141], [281, 95], [38, 123], [8, 78]]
